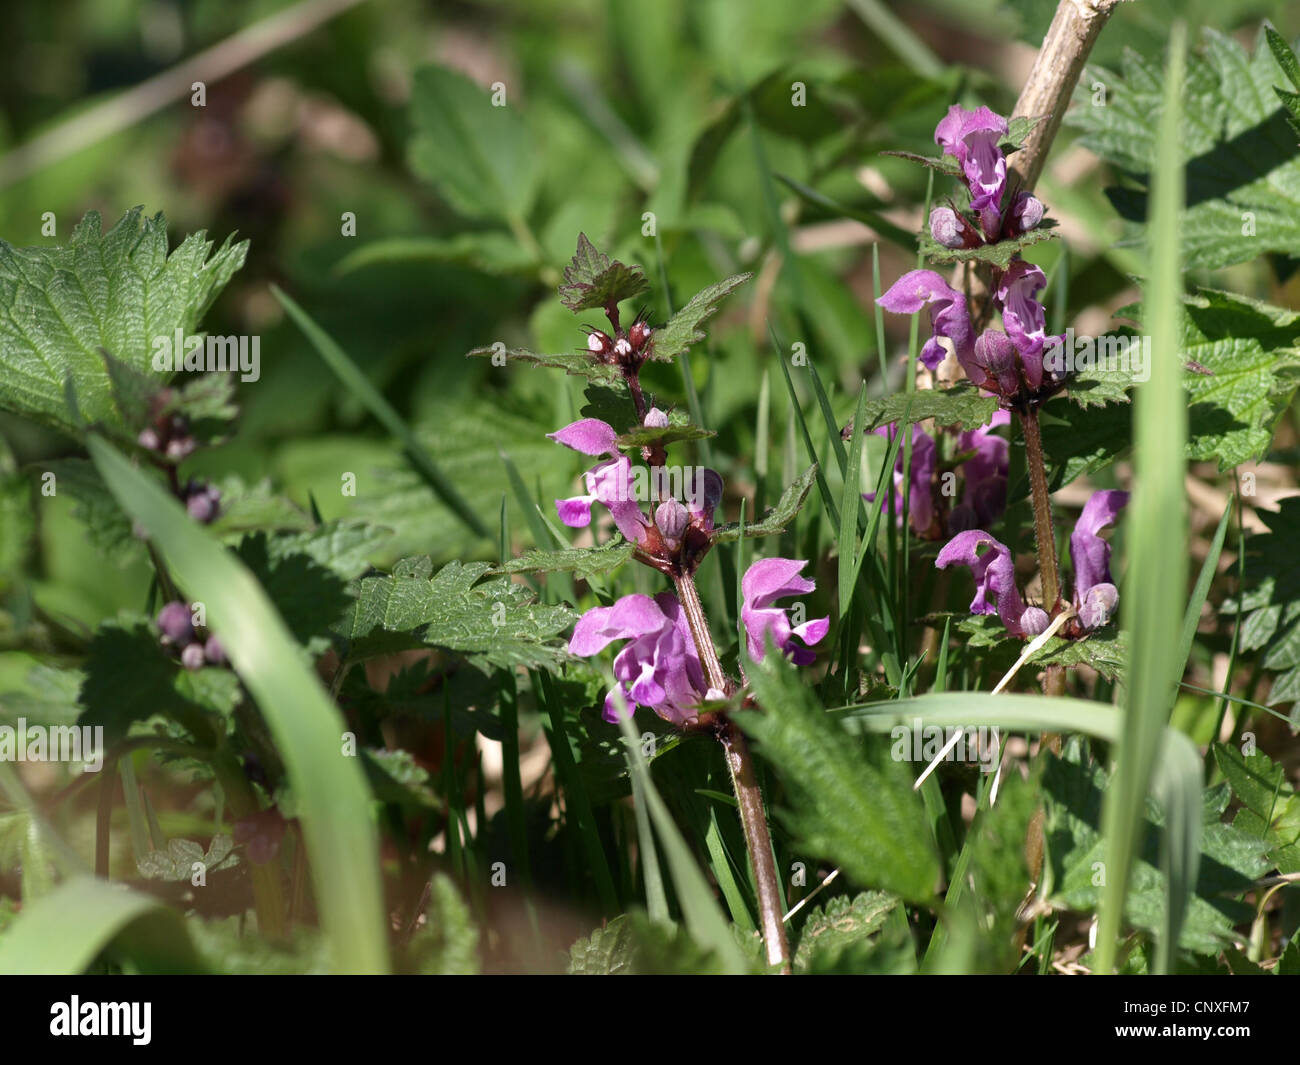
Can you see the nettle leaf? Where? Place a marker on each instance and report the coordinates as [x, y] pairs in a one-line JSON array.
[[396, 777], [636, 439], [1078, 443], [1101, 384], [1230, 862], [577, 364], [1243, 171], [125, 656], [847, 929], [582, 562], [342, 546], [310, 597], [999, 254], [176, 863], [1271, 805], [116, 291], [496, 622], [683, 329], [614, 407], [960, 405], [1271, 602], [1286, 59], [944, 164], [592, 281], [849, 802], [1250, 349], [778, 517], [1105, 650], [480, 158], [633, 944]]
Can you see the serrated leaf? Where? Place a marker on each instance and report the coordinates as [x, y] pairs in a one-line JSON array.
[[778, 517], [999, 254], [495, 622], [1077, 443], [396, 777], [577, 364], [849, 803], [944, 164], [593, 281], [683, 328], [447, 942], [116, 291], [648, 436], [1239, 149], [842, 925], [1230, 862], [480, 158], [1272, 807], [960, 405], [582, 562], [310, 598]]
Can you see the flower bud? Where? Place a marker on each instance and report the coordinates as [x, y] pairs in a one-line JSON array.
[[149, 439], [192, 656], [202, 501], [655, 419], [995, 359], [214, 652], [176, 623], [672, 518], [1034, 621], [638, 334], [599, 343], [947, 228], [1026, 212], [622, 348]]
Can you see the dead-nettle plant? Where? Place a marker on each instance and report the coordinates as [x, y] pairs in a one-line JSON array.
[[669, 663], [1015, 365]]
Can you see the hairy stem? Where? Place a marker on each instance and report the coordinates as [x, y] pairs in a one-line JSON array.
[[1042, 509], [744, 780]]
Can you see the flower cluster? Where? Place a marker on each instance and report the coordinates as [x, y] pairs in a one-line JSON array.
[[984, 458], [1006, 362], [990, 563], [169, 439], [176, 623]]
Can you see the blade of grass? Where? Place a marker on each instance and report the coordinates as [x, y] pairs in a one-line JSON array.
[[331, 791], [358, 384], [1156, 526]]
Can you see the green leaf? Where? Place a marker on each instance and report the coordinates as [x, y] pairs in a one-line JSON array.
[[682, 330], [959, 405], [592, 281], [116, 291], [176, 863], [649, 435], [480, 158], [62, 933], [1230, 859], [310, 598], [849, 930], [496, 622], [1286, 59], [447, 943], [1236, 143], [332, 799], [583, 562], [778, 517], [999, 254], [1272, 807], [576, 364], [1078, 443], [851, 805]]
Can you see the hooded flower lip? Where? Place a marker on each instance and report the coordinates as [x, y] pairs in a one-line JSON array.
[[1095, 594], [608, 482], [659, 668], [972, 137], [766, 581], [949, 315], [993, 366], [995, 580], [1023, 316]]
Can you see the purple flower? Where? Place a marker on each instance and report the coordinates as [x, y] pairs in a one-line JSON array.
[[658, 668], [985, 474], [1095, 595], [608, 482], [920, 498], [949, 316], [1023, 316], [993, 366], [995, 581], [766, 581], [950, 229], [176, 623], [1026, 213], [971, 137], [202, 501]]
